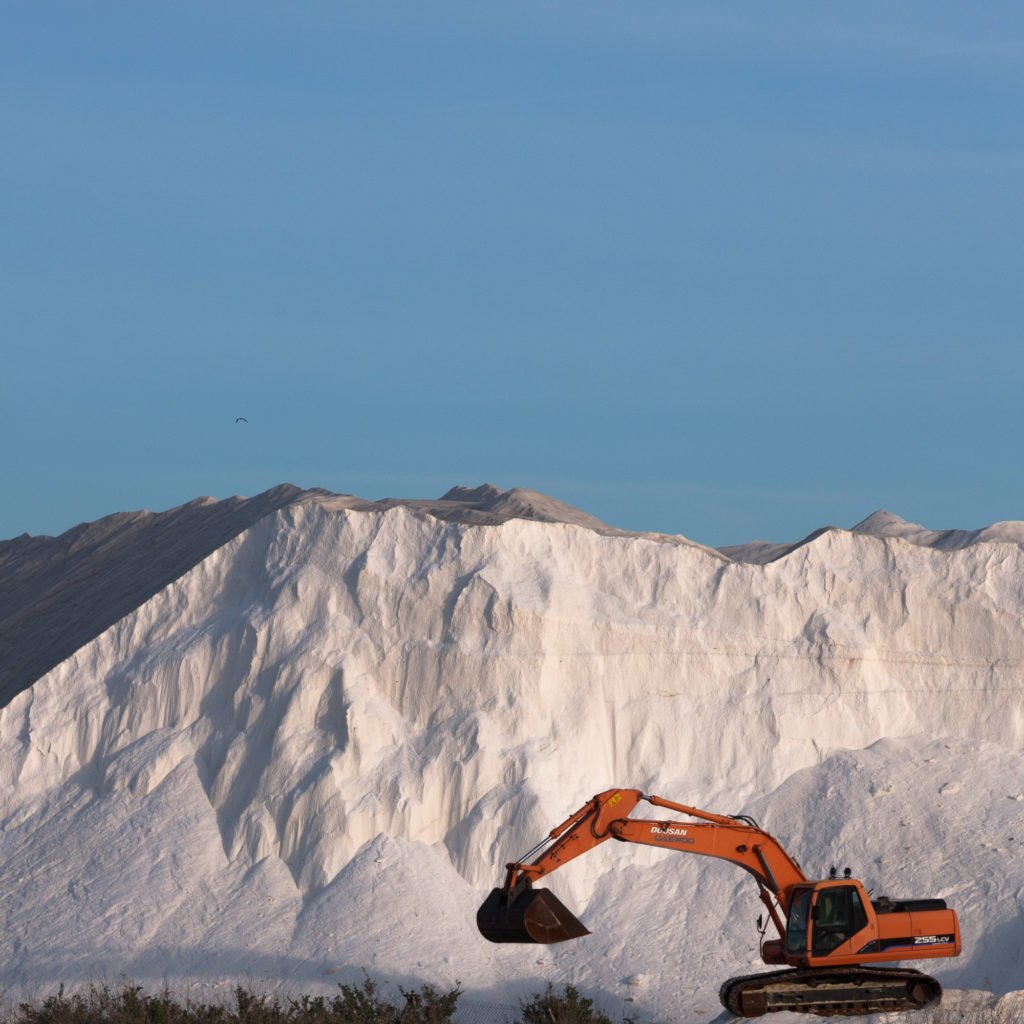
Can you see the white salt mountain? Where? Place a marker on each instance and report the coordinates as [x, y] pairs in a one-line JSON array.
[[308, 748]]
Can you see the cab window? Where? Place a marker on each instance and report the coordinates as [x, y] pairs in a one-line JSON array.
[[838, 914], [796, 924]]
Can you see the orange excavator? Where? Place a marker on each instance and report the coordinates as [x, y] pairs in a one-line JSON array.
[[829, 931]]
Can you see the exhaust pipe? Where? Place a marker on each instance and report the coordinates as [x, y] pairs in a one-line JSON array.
[[534, 915]]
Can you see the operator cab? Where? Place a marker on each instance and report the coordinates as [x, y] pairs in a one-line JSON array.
[[822, 918]]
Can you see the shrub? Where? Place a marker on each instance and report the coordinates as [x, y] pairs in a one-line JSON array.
[[548, 1007], [102, 1005], [361, 1004], [428, 1006]]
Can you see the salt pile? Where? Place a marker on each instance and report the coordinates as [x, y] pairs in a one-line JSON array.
[[313, 752]]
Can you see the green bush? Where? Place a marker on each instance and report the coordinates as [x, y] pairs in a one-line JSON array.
[[361, 1004], [569, 1007], [102, 1005]]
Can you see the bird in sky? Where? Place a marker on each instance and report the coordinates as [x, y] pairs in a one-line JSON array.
[[241, 419]]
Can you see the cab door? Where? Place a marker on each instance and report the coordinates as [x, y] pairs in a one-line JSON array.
[[837, 916]]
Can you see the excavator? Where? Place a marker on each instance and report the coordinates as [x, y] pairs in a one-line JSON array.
[[830, 930]]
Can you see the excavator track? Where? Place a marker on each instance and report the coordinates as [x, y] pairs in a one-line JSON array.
[[830, 992]]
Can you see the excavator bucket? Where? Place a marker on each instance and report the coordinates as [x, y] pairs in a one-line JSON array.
[[536, 915]]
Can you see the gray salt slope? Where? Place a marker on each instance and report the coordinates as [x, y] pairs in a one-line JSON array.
[[58, 593], [885, 524], [339, 701]]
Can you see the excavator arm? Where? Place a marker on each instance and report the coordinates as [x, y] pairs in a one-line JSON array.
[[518, 913]]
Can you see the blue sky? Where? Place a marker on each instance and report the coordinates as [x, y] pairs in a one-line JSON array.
[[730, 271]]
